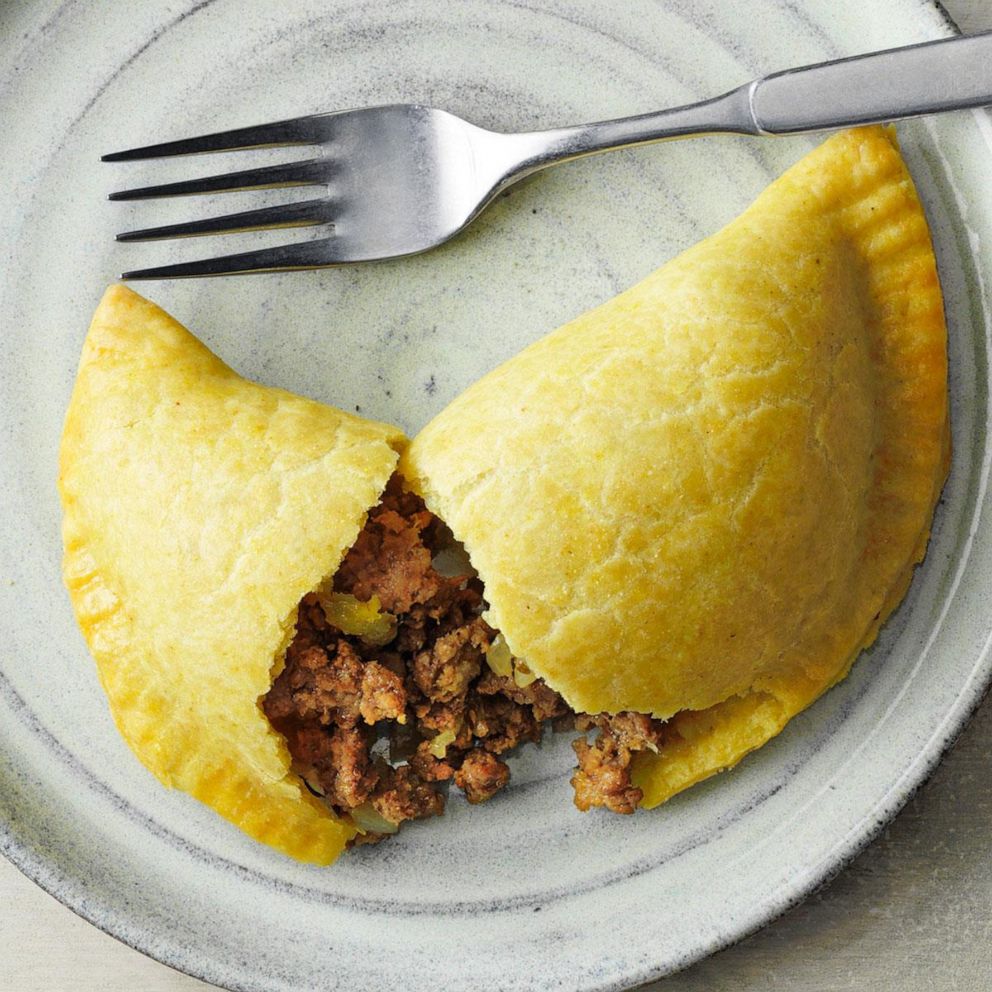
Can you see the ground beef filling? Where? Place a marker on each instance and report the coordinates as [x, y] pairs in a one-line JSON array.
[[415, 686]]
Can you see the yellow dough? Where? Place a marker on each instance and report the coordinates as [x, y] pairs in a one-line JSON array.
[[703, 497], [199, 509]]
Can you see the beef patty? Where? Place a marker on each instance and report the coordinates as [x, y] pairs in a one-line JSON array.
[[395, 685]]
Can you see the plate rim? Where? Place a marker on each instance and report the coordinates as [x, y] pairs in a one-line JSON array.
[[917, 775]]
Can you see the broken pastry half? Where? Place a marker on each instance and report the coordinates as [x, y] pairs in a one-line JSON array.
[[673, 522], [198, 510]]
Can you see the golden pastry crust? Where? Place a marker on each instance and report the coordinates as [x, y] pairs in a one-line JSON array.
[[199, 508], [707, 494]]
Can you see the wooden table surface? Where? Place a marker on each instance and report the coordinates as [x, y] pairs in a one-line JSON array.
[[913, 912]]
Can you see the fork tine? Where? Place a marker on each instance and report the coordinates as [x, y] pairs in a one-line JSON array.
[[297, 131], [304, 214], [303, 255], [311, 172]]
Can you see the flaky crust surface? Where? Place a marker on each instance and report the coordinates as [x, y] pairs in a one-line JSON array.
[[704, 497], [199, 508]]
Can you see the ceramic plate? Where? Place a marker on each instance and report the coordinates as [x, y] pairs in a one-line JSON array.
[[525, 892]]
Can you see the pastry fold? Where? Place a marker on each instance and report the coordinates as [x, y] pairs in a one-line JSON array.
[[701, 499], [199, 508]]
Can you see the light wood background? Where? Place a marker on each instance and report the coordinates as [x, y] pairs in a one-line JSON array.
[[913, 912]]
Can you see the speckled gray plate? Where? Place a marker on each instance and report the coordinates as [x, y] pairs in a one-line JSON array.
[[524, 893]]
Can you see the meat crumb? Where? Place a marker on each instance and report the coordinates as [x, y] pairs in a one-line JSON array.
[[481, 776], [428, 766], [603, 776], [383, 695], [403, 795], [445, 669], [391, 559]]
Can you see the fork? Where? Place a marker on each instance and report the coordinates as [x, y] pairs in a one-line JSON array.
[[403, 178]]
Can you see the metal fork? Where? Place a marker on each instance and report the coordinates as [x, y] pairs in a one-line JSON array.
[[401, 179]]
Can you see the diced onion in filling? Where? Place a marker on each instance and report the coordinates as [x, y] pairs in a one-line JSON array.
[[439, 744], [352, 616], [369, 820], [498, 657], [503, 663]]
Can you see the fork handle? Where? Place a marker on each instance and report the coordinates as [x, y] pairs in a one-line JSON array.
[[936, 76], [951, 74]]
